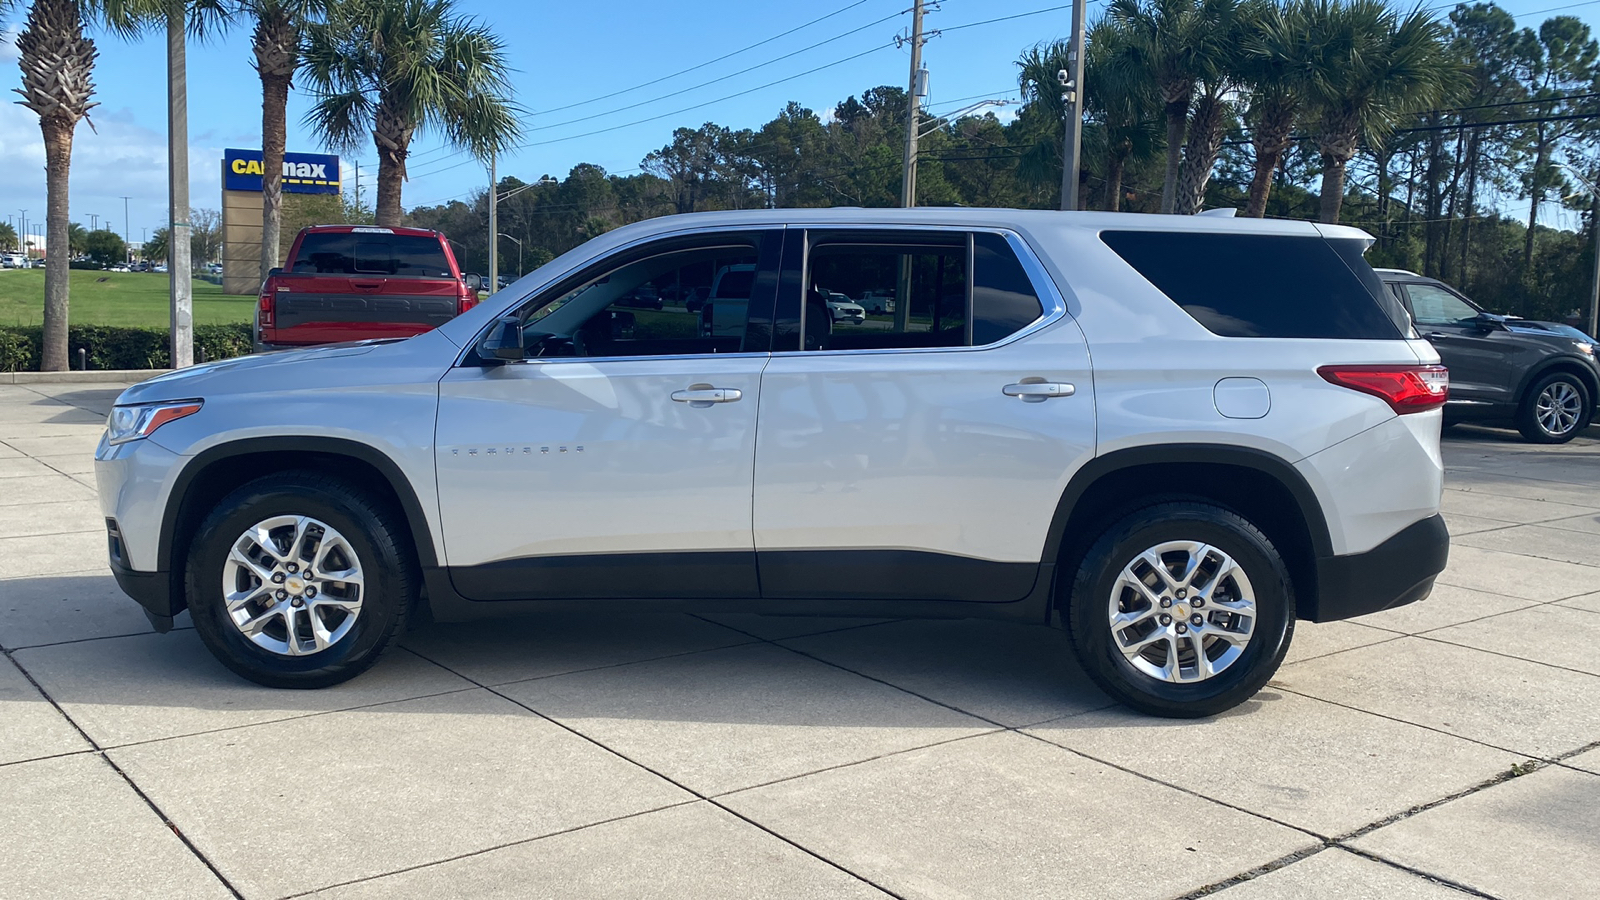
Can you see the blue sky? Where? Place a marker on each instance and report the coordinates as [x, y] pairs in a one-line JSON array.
[[564, 55]]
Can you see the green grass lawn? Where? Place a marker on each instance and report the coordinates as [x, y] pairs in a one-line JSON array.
[[115, 298]]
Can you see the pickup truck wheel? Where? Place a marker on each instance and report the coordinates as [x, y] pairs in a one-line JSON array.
[[298, 580], [1555, 410], [1181, 609]]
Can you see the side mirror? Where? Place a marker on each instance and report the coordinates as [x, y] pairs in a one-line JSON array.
[[473, 281], [504, 341], [1486, 322]]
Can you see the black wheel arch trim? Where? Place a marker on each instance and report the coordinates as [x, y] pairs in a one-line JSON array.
[[1202, 454], [416, 518]]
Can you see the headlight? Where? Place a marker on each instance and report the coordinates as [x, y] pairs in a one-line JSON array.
[[131, 423], [1584, 347]]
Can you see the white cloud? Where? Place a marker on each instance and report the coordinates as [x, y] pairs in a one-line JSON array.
[[8, 42], [117, 157]]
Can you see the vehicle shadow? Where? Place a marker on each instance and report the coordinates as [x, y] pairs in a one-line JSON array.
[[675, 667]]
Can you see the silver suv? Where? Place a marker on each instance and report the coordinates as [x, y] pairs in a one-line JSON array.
[[1173, 436]]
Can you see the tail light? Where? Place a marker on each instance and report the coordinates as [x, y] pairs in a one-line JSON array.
[[264, 307], [1407, 389], [466, 301]]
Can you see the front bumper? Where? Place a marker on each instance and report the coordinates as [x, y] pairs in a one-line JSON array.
[[1398, 571], [151, 590]]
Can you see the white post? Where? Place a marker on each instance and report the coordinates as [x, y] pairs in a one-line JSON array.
[[178, 275], [494, 228]]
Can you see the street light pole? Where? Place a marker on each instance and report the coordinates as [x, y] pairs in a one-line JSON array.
[[494, 227], [519, 254], [1072, 92]]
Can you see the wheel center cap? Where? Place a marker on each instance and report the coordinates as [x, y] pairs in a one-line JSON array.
[[1181, 611], [294, 585]]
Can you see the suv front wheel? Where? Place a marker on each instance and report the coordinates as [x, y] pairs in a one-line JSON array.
[[298, 580], [1555, 410], [1182, 609]]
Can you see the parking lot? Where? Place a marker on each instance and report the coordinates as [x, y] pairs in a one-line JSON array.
[[1446, 747]]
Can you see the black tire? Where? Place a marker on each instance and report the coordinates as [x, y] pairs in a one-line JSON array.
[[383, 547], [1528, 419], [1089, 615]]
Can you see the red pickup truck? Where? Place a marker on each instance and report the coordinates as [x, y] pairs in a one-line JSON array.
[[356, 282]]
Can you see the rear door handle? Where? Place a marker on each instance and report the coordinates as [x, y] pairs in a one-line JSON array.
[[703, 395], [1038, 391]]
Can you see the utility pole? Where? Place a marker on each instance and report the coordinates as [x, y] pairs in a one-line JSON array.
[[94, 222], [919, 80], [181, 286], [23, 237], [1071, 79], [358, 188], [494, 228], [1594, 288], [127, 233]]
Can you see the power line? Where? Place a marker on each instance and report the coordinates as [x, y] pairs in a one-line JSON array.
[[702, 84], [707, 62], [1023, 15]]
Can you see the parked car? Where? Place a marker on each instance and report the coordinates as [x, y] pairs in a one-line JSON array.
[[877, 302], [642, 297], [1539, 376], [358, 282], [842, 308], [1226, 464]]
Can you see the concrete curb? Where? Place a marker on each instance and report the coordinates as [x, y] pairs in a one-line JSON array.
[[93, 376]]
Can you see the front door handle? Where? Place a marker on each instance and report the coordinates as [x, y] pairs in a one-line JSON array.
[[1038, 391], [701, 396]]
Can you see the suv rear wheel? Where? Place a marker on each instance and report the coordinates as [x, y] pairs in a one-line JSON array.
[[1181, 609], [299, 580], [1555, 410]]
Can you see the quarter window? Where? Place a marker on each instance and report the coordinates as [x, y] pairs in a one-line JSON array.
[[1258, 285]]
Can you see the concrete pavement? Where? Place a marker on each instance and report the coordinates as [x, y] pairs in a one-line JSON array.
[[1441, 750]]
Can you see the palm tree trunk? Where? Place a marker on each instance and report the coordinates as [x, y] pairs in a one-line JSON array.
[[1114, 166], [57, 265], [276, 45], [1199, 154], [1271, 141], [392, 134], [1177, 119]]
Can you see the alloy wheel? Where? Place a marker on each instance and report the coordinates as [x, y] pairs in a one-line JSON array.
[[293, 585], [1182, 611], [1558, 408]]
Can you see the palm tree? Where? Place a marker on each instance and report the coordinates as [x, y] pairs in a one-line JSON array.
[[1120, 104], [392, 67], [57, 64], [1177, 43], [276, 43], [77, 237], [1372, 70], [1275, 61], [1212, 109]]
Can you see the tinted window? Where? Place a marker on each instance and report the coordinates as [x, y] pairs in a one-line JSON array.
[[694, 300], [1246, 285], [1003, 300], [363, 253], [862, 296], [1437, 306]]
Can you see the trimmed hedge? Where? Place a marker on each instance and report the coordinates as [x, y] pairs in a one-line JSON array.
[[121, 347]]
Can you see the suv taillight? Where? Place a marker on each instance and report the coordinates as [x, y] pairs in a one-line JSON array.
[[1407, 389]]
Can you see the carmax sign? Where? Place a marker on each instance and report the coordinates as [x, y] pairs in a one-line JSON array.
[[303, 173]]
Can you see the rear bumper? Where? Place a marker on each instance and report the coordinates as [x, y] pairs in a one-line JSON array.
[[1398, 571]]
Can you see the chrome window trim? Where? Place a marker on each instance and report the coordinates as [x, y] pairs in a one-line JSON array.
[[558, 360], [598, 257], [1054, 305]]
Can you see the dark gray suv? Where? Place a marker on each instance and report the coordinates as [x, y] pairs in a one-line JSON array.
[[1539, 375]]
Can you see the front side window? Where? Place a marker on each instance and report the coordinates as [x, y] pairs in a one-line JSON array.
[[870, 291], [683, 301], [1432, 305]]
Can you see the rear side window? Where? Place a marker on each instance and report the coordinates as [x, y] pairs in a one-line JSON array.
[[1251, 285], [364, 253]]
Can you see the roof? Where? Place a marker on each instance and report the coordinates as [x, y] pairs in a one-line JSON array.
[[369, 229], [963, 216]]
